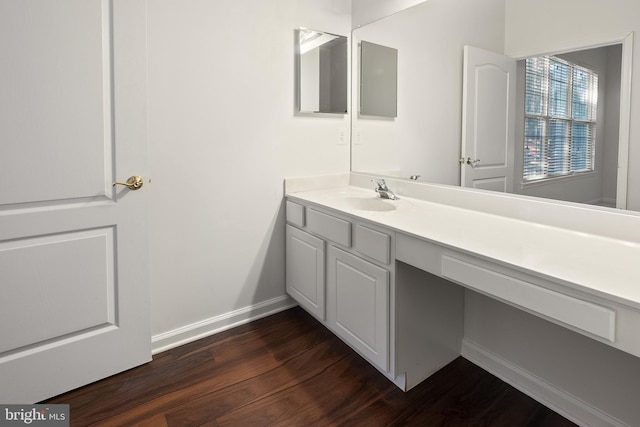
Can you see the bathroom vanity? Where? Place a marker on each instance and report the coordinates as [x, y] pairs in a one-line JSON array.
[[388, 277]]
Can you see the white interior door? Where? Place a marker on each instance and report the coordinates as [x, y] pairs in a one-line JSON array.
[[74, 304], [488, 122]]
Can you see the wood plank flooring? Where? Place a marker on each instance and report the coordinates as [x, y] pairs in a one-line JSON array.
[[288, 370]]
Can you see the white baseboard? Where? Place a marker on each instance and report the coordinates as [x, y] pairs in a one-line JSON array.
[[549, 395], [213, 325]]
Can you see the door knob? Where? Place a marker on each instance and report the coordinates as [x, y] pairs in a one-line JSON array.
[[468, 161], [133, 183]]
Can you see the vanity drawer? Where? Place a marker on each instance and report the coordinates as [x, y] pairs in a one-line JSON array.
[[372, 243], [329, 227], [295, 214], [580, 314]]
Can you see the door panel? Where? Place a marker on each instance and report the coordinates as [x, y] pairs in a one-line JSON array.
[[491, 145], [57, 92], [53, 310], [498, 183], [73, 249], [488, 128]]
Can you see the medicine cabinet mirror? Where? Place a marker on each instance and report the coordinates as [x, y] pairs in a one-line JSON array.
[[378, 80], [321, 72]]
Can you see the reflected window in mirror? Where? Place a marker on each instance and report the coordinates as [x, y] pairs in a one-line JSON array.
[[321, 72], [560, 118]]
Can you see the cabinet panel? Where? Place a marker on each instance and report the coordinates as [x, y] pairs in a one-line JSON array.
[[581, 314], [330, 227], [305, 271], [295, 214], [372, 243], [358, 304]]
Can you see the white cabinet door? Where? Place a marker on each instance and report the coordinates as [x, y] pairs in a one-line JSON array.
[[358, 304], [74, 304], [305, 271]]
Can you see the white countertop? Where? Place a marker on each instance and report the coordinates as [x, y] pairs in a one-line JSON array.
[[601, 265]]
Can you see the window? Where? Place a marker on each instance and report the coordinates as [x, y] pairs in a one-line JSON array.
[[561, 101]]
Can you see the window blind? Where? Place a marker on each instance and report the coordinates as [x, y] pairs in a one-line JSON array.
[[561, 100]]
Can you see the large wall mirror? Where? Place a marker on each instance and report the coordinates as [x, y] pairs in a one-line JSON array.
[[438, 133], [321, 72]]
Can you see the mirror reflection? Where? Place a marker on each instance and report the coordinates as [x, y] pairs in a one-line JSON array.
[[462, 118], [322, 72], [378, 80]]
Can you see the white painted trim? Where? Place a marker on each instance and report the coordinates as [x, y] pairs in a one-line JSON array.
[[572, 45], [560, 401], [195, 331], [556, 179], [625, 121]]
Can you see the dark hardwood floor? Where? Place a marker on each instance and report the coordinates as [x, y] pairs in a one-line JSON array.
[[288, 370]]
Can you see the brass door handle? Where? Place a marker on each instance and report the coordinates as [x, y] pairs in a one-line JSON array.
[[133, 183]]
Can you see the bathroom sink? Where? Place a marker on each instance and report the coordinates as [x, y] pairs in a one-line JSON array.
[[369, 204]]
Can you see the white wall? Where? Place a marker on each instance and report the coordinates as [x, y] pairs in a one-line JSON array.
[[367, 11], [425, 137], [593, 19], [223, 136], [602, 378]]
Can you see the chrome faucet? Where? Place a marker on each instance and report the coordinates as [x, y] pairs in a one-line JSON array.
[[383, 191]]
